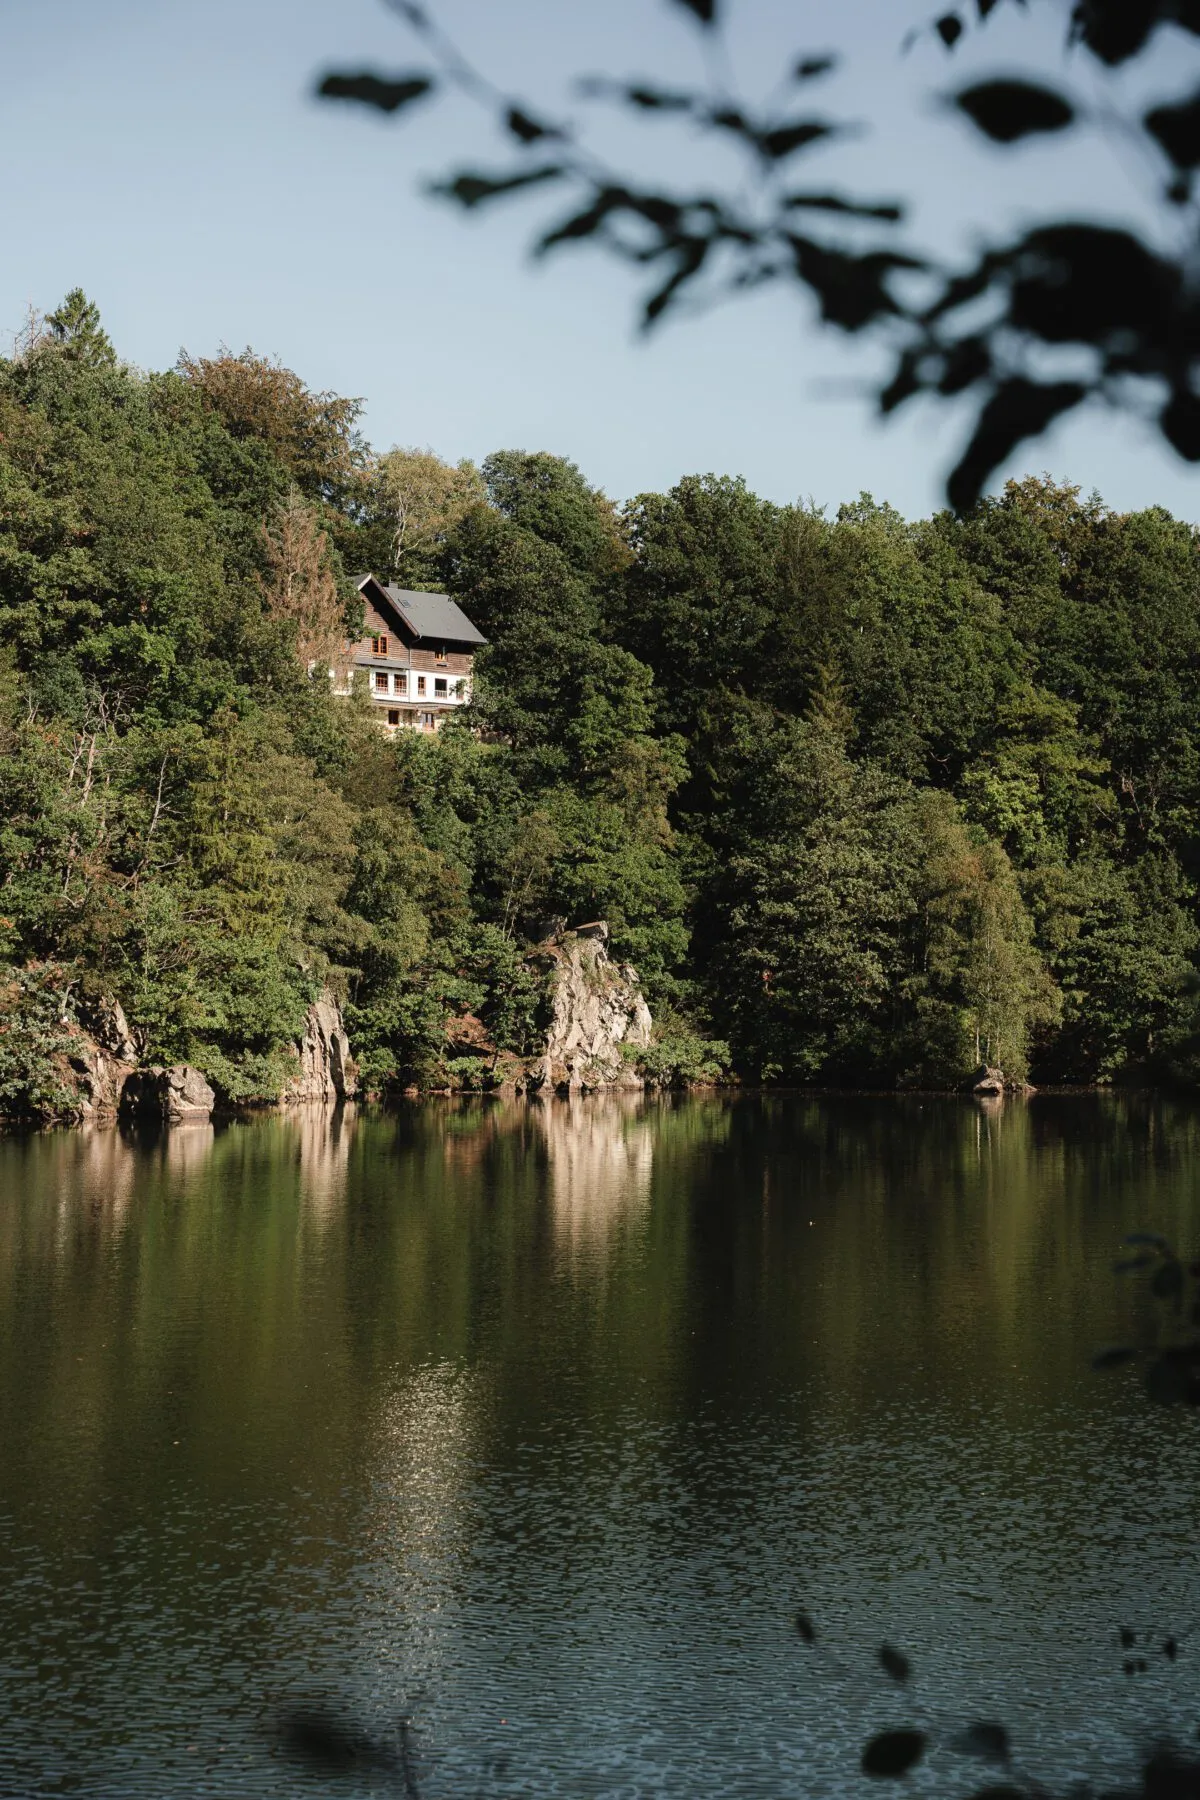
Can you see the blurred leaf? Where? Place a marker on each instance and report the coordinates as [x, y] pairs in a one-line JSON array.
[[1018, 409], [705, 10], [893, 1752], [986, 1740], [387, 95], [1177, 129], [527, 129], [784, 140], [1112, 1359], [689, 256], [851, 289], [812, 66], [851, 208], [473, 190], [1128, 1264], [1180, 422], [894, 1662], [1147, 1237], [949, 29], [1008, 110]]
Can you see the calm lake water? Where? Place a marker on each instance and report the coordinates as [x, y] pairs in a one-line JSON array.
[[534, 1426]]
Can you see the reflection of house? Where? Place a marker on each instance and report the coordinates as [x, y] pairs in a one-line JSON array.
[[417, 653]]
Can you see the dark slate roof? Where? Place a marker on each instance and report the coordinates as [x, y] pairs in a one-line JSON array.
[[430, 616]]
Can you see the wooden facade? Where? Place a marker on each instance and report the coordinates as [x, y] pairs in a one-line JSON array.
[[416, 656]]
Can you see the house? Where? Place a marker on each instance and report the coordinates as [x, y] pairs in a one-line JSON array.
[[417, 653]]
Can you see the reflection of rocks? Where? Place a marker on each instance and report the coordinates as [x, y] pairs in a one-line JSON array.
[[598, 1011], [324, 1140], [327, 1070], [601, 1156], [178, 1096]]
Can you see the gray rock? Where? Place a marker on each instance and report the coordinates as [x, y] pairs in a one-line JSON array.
[[598, 1007], [178, 1095], [327, 1070], [987, 1081]]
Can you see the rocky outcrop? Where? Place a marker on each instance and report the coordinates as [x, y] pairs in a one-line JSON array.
[[101, 1058], [177, 1096], [987, 1081], [598, 1013], [327, 1070]]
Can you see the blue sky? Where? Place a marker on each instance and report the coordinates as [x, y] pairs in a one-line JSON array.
[[169, 158]]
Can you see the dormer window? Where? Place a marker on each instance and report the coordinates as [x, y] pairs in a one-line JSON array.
[[379, 645], [439, 654]]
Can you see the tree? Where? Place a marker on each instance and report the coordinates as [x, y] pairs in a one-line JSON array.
[[1065, 312], [425, 498], [314, 436], [301, 586]]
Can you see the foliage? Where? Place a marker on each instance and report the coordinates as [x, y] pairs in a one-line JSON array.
[[862, 800], [1065, 312]]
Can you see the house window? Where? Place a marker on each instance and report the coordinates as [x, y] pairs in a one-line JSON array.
[[440, 653], [393, 715], [439, 688], [379, 645], [400, 683], [381, 681], [420, 684]]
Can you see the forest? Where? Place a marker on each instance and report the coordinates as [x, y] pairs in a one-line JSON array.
[[867, 802]]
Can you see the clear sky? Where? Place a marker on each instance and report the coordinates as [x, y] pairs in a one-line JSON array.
[[169, 158]]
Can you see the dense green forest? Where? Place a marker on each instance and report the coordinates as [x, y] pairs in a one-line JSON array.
[[865, 801]]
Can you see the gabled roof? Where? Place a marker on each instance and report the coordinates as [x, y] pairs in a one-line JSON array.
[[430, 617]]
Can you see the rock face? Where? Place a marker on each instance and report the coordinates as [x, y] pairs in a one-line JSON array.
[[987, 1081], [327, 1070], [178, 1096], [597, 1008]]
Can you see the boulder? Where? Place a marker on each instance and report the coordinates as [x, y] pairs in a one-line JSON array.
[[179, 1095], [327, 1070], [597, 1008], [987, 1081]]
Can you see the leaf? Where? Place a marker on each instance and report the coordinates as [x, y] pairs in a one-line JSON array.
[[810, 67], [1180, 424], [527, 129], [705, 10], [690, 253], [894, 1662], [851, 208], [949, 28], [986, 1740], [1112, 1359], [850, 288], [1177, 129], [659, 99], [806, 1628], [1018, 409], [387, 95], [1008, 110], [473, 190], [1113, 30], [784, 140], [893, 1752]]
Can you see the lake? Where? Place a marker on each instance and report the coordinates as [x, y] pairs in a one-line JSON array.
[[531, 1427]]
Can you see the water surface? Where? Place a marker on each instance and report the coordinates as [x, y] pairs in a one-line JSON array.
[[533, 1426]]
